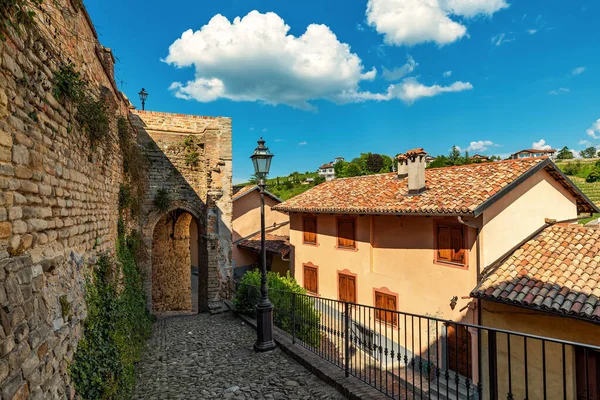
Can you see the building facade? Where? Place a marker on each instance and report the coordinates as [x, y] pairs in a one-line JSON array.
[[550, 153]]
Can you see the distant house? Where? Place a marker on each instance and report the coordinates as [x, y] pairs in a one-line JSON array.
[[308, 181], [327, 170], [533, 153], [479, 157], [246, 232], [429, 159]]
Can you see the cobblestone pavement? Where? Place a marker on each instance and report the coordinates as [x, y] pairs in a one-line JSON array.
[[211, 357]]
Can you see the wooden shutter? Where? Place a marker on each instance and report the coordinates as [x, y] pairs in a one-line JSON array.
[[346, 233], [310, 230], [592, 392], [444, 243], [458, 244], [388, 302], [311, 279], [347, 288]]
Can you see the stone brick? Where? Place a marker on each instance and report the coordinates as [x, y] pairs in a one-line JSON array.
[[6, 230], [23, 172], [19, 227], [12, 386], [4, 370], [15, 213], [20, 154]]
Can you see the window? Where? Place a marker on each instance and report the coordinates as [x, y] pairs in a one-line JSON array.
[[310, 229], [388, 302], [311, 279], [347, 288], [450, 244], [346, 232]]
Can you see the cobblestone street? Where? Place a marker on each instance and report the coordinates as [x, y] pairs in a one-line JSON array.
[[211, 357]]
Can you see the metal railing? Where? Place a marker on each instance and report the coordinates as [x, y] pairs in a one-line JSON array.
[[405, 355]]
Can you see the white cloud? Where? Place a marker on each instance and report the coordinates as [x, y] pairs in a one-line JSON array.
[[532, 31], [252, 128], [264, 129], [578, 71], [397, 73], [584, 142], [447, 74], [302, 144], [409, 90], [559, 91], [594, 131], [360, 28], [541, 145], [481, 145], [410, 22], [255, 59], [501, 38]]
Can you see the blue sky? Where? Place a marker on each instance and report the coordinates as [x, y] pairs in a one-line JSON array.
[[365, 75]]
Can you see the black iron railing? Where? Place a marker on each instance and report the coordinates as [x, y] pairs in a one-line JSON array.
[[406, 355]]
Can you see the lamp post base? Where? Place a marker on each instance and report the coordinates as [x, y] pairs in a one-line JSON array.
[[264, 328]]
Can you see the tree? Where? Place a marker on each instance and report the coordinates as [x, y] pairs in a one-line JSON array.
[[439, 162], [565, 154], [340, 169], [590, 152], [467, 158], [454, 156], [318, 180], [353, 169], [374, 163]]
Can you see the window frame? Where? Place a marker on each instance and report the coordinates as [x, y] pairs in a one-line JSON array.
[[316, 268], [346, 272], [337, 232], [386, 293], [304, 218], [465, 245]]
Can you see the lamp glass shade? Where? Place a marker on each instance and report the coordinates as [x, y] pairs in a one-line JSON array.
[[143, 94], [261, 159]]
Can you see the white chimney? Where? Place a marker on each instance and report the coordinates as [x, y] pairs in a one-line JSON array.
[[402, 166], [416, 171]]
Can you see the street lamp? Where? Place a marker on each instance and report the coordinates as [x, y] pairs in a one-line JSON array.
[[264, 309], [143, 96]]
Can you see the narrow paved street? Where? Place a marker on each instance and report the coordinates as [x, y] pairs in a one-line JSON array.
[[210, 357]]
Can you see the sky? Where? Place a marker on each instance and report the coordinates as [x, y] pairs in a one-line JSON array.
[[319, 79]]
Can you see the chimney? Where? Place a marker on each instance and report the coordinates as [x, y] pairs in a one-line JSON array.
[[402, 166], [416, 171]]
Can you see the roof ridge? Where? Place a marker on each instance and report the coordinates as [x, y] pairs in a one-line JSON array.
[[474, 165]]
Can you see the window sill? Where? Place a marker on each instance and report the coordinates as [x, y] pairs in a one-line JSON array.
[[346, 248], [310, 244], [451, 264]]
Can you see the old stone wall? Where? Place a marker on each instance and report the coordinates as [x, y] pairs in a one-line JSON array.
[[171, 272], [190, 157], [58, 199]]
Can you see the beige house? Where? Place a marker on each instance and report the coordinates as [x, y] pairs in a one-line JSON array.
[[419, 240], [246, 232]]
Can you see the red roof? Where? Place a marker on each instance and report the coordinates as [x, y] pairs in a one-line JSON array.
[[556, 271], [274, 244], [460, 190], [535, 151], [325, 166]]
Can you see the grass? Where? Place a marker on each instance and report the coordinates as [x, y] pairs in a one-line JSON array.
[[591, 190]]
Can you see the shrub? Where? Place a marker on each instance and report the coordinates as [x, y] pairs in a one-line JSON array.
[[281, 291], [92, 116], [68, 84], [115, 331], [192, 158], [572, 168], [162, 201], [593, 176]]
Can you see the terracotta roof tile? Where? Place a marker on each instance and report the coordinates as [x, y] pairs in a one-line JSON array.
[[456, 190], [274, 244], [555, 285]]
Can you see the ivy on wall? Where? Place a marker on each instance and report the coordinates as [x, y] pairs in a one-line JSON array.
[[17, 14], [115, 329]]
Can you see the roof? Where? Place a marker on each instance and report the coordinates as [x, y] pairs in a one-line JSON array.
[[325, 166], [459, 190], [274, 244], [249, 189], [557, 271], [479, 156], [535, 151]]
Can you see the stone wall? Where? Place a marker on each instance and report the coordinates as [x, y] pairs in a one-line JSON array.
[[58, 199], [202, 188], [171, 273]]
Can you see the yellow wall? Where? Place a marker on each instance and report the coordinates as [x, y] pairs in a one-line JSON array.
[[246, 221], [519, 319], [521, 212]]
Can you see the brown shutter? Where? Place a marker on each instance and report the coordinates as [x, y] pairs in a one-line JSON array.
[[310, 279], [379, 303], [388, 302], [391, 305], [346, 232], [444, 243], [347, 288], [458, 244], [310, 230]]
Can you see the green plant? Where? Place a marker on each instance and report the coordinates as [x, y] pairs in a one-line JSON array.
[[17, 14], [68, 84], [124, 197], [93, 117], [281, 290], [572, 168], [189, 141], [162, 202], [115, 331], [65, 307], [192, 158], [593, 176], [34, 117]]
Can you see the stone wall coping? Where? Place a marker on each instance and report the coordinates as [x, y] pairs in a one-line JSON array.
[[167, 114]]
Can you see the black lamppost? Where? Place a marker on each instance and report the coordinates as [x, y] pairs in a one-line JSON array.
[[143, 96], [264, 309]]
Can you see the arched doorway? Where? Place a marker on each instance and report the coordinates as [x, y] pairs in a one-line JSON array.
[[175, 249]]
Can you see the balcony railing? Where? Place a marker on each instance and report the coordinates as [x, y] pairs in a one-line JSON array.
[[405, 355]]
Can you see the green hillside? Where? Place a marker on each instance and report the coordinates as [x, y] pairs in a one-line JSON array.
[[578, 170]]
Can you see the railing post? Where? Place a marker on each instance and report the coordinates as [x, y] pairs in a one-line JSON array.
[[347, 338], [293, 317], [492, 359]]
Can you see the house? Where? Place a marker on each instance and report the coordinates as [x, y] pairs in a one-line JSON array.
[[533, 153], [429, 159], [548, 285], [328, 170], [479, 157], [308, 181], [246, 232], [418, 240]]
